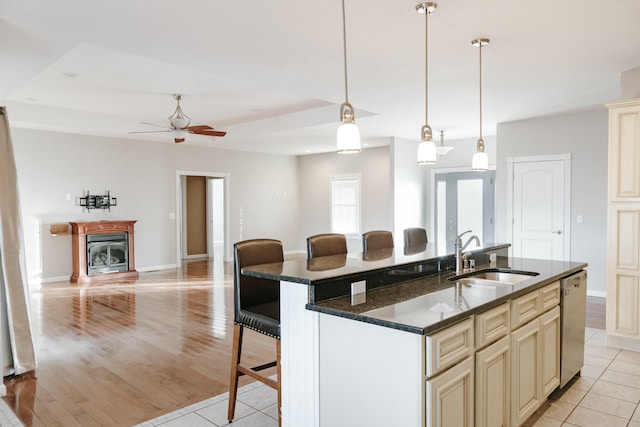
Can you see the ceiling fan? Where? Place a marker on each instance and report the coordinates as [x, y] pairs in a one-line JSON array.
[[180, 125]]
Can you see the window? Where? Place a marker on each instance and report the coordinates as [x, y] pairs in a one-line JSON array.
[[345, 204]]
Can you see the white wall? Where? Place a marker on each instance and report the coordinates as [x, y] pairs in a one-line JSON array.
[[314, 174], [408, 191], [142, 175], [630, 84], [584, 135]]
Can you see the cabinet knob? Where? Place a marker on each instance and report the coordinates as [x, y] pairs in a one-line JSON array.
[[557, 232]]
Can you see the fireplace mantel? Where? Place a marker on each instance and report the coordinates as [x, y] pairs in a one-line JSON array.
[[80, 231]]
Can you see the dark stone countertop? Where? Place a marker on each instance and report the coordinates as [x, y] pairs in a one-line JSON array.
[[427, 304], [330, 268]]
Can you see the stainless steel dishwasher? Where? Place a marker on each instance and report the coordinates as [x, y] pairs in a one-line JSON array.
[[573, 303]]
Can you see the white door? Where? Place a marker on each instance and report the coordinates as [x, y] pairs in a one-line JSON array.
[[540, 209]]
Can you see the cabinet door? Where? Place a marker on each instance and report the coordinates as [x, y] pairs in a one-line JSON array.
[[525, 308], [624, 151], [492, 325], [450, 397], [493, 379], [550, 296], [526, 367], [550, 343], [449, 346]]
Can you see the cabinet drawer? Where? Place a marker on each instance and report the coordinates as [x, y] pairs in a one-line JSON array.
[[550, 296], [525, 308], [492, 325], [447, 347]]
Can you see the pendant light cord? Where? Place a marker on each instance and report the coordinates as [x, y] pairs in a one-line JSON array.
[[344, 50], [426, 65], [480, 46]]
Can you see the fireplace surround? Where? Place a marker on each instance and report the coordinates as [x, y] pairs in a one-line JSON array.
[[103, 250]]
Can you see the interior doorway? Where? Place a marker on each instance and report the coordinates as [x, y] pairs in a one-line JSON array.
[[463, 200], [202, 216]]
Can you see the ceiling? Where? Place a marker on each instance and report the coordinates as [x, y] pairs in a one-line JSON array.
[[271, 73]]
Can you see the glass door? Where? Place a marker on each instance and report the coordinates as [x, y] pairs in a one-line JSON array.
[[464, 201]]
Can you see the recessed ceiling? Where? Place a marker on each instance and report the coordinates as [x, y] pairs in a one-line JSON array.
[[270, 73]]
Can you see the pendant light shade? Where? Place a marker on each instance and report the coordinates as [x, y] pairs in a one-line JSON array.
[[426, 148], [480, 161], [348, 132], [348, 140]]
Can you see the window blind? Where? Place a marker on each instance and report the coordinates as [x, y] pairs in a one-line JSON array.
[[345, 205]]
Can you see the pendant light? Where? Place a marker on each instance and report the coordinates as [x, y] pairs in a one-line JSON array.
[[480, 161], [426, 148], [348, 132], [442, 149]]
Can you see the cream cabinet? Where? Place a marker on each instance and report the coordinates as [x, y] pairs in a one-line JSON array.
[[623, 244], [550, 350], [493, 380], [449, 396], [526, 395], [480, 371], [623, 254], [450, 376], [535, 351]]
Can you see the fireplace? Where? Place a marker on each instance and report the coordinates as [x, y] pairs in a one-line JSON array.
[[103, 250], [107, 253]]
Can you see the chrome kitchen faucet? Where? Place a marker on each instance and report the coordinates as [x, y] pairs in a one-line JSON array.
[[460, 247]]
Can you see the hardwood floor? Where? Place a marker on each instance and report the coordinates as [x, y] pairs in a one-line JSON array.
[[117, 354], [596, 312]]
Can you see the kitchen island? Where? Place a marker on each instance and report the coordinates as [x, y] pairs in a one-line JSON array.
[[405, 356]]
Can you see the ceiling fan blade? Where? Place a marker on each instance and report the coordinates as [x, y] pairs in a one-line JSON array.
[[153, 124], [211, 133], [204, 130], [178, 140], [198, 128], [151, 131]]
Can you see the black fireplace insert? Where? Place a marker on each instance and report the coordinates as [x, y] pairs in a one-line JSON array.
[[107, 253]]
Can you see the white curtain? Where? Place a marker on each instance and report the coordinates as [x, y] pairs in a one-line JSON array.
[[15, 321]]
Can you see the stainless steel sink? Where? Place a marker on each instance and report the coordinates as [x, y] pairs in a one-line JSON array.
[[483, 282], [493, 277]]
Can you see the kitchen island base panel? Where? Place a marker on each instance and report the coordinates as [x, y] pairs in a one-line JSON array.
[[371, 376], [299, 358]]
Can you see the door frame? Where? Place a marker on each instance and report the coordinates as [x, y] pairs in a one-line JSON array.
[[179, 217], [566, 158], [431, 226]]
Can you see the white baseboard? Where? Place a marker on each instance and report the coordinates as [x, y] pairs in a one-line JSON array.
[[157, 267], [601, 294]]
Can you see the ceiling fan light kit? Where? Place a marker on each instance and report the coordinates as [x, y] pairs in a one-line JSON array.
[[179, 120], [442, 149]]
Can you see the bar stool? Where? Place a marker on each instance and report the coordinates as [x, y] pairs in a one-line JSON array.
[[326, 244], [415, 236], [257, 307], [377, 239]]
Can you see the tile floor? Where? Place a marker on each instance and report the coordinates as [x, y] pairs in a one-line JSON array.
[[607, 394]]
